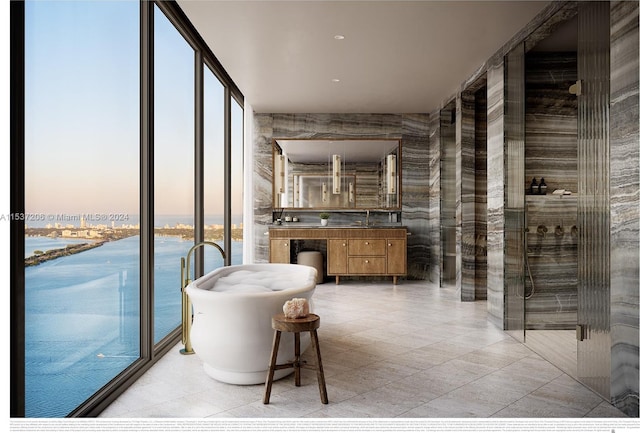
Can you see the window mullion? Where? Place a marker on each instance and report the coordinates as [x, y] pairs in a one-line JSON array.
[[146, 179]]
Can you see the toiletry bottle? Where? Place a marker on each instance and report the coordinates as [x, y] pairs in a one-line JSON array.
[[533, 189], [542, 187]]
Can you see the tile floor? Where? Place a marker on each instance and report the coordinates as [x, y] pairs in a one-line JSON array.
[[411, 350]]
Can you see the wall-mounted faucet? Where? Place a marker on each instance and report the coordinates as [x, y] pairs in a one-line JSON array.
[[542, 230]]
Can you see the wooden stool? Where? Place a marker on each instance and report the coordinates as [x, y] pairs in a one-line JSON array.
[[304, 324]]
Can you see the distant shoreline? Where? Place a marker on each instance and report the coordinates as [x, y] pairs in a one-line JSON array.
[[55, 253], [112, 235], [210, 234]]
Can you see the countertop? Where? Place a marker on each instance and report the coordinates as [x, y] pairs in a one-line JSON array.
[[337, 226]]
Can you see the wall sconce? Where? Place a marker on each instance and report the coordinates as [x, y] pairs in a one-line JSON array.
[[351, 192], [278, 173], [336, 173], [296, 191], [391, 174], [324, 192]]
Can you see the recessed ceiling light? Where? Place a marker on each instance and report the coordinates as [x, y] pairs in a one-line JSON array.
[[338, 37], [335, 80]]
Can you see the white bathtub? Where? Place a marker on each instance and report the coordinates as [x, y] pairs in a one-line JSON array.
[[233, 306]]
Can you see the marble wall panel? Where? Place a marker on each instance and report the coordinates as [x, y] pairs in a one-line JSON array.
[[468, 195], [481, 192], [625, 205], [415, 193], [458, 195], [551, 281], [495, 195], [474, 192], [551, 152], [412, 129], [551, 120], [433, 217], [262, 185], [449, 221]]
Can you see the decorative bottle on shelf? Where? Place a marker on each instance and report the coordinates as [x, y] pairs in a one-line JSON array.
[[542, 187], [533, 189]]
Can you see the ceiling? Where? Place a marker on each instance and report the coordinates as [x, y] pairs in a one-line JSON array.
[[396, 56], [352, 150]]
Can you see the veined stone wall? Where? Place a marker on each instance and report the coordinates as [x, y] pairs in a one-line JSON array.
[[625, 205], [412, 129]]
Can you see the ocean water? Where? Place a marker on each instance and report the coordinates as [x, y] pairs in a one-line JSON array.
[[82, 316]]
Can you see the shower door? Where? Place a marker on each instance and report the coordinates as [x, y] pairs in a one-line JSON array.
[[514, 223], [594, 338]]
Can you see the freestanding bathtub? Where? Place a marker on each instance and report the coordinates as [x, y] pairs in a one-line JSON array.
[[232, 310]]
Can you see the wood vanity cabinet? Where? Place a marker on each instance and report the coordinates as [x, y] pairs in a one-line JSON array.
[[350, 252], [337, 256], [280, 251], [397, 256]]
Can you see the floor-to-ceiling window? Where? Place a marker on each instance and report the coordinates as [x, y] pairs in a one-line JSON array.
[[237, 175], [81, 200], [214, 149], [173, 169], [105, 147]]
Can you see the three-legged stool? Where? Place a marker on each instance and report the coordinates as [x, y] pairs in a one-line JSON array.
[[310, 324]]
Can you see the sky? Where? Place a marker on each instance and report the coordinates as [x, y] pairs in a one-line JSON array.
[[81, 107], [82, 113]]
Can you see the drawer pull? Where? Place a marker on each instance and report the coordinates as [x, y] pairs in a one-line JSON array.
[[390, 244], [366, 261], [286, 244], [344, 245], [366, 243]]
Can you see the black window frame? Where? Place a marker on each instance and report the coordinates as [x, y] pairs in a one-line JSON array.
[[149, 353]]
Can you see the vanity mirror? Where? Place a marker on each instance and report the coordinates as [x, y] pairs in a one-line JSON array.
[[337, 174]]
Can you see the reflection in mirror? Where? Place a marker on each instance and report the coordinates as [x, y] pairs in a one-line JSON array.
[[313, 189], [337, 173]]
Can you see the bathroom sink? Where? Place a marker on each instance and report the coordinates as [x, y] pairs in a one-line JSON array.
[[340, 226], [376, 225]]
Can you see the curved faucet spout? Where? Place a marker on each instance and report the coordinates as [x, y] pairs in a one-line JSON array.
[[187, 280], [187, 316]]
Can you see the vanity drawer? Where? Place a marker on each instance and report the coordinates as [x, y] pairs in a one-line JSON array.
[[367, 247], [367, 265]]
